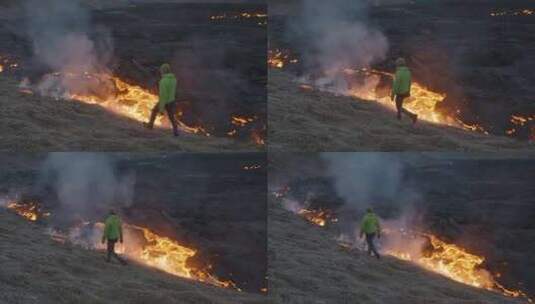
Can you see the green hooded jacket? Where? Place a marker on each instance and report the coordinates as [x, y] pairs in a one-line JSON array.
[[402, 81], [370, 224], [112, 228], [167, 89]]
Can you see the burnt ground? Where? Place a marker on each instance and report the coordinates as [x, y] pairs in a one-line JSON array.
[[220, 64], [483, 63], [206, 201], [484, 202]]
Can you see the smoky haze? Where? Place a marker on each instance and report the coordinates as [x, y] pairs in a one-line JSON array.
[[374, 180], [86, 184], [370, 179], [335, 35], [63, 37]]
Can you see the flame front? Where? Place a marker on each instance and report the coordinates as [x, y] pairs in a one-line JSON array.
[[168, 255], [128, 100], [456, 263], [318, 217], [422, 101]]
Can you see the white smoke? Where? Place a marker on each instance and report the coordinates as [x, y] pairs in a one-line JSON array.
[[363, 179], [338, 36], [375, 180], [65, 41], [87, 184]]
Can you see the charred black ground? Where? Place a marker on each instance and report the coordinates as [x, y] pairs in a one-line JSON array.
[[209, 202], [483, 62], [220, 64], [482, 202]]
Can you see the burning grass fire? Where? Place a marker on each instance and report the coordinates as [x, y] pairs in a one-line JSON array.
[[451, 261], [317, 216], [423, 249], [142, 245], [118, 96], [364, 84]]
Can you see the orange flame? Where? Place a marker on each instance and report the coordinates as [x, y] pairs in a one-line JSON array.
[[456, 263], [280, 58], [30, 210], [168, 255], [318, 217]]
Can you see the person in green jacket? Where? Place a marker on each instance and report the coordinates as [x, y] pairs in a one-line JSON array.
[[401, 88], [371, 228], [166, 100], [113, 232]]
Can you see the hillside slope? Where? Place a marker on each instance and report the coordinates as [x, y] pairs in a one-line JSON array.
[[315, 121], [307, 266], [36, 269], [35, 123]]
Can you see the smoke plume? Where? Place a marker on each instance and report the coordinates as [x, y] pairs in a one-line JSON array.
[[374, 180], [335, 36], [65, 41], [63, 38], [86, 184]]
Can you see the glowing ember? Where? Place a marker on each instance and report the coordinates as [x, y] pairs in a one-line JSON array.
[[257, 137], [30, 210], [280, 58], [241, 121], [318, 217], [241, 16], [456, 263], [251, 167], [520, 12]]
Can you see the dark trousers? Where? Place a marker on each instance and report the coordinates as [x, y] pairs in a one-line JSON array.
[[170, 108], [371, 246], [111, 252], [401, 109]]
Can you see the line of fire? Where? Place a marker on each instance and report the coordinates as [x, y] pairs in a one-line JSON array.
[[107, 58], [335, 189], [445, 88], [180, 214]]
